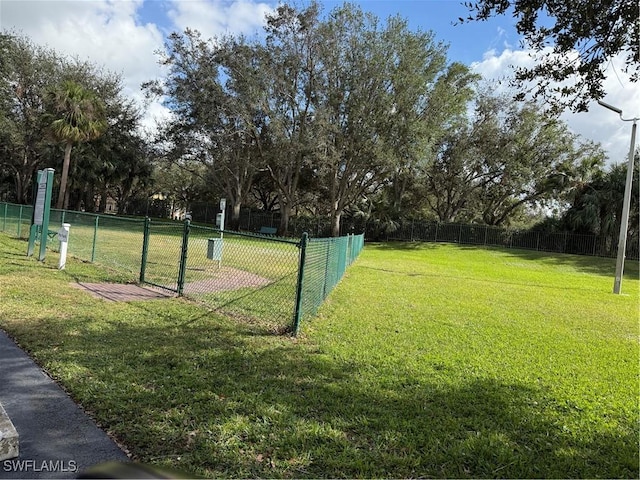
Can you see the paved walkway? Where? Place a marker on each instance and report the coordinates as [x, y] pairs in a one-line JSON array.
[[57, 439]]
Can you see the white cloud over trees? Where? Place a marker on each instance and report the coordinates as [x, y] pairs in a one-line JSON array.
[[597, 124]]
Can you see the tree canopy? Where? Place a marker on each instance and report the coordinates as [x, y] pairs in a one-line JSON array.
[[341, 105], [333, 116], [49, 103], [574, 41]]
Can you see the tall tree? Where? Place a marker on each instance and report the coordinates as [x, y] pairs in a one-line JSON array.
[[509, 157], [32, 80], [118, 163], [572, 40], [78, 115], [596, 206], [372, 84], [26, 72], [451, 180], [211, 88], [290, 68], [444, 116]]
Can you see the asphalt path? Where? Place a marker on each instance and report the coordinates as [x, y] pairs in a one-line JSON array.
[[57, 438]]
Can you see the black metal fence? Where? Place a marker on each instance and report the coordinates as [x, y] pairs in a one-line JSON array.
[[464, 234]]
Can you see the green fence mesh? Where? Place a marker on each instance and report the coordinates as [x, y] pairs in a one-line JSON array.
[[112, 241], [16, 219], [248, 276], [253, 277], [326, 260], [163, 246]]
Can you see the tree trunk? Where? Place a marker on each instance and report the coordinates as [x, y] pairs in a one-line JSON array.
[[285, 213], [65, 204], [64, 176], [21, 196], [335, 223], [103, 202], [235, 216]]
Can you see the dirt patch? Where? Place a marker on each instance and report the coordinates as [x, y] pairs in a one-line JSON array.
[[226, 279], [122, 292], [223, 279]]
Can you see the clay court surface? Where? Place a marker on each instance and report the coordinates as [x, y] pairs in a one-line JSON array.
[[225, 279]]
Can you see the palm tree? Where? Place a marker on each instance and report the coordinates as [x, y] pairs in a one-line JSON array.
[[79, 116]]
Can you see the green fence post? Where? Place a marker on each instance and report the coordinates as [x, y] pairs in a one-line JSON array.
[[33, 228], [304, 242], [4, 220], [183, 257], [329, 244], [145, 248], [45, 217], [95, 238], [20, 222]]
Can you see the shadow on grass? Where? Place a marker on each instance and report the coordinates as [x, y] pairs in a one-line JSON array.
[[12, 259], [594, 265], [476, 279], [400, 246], [221, 400]]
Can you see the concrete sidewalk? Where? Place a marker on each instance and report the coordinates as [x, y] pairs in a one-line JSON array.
[[56, 438]]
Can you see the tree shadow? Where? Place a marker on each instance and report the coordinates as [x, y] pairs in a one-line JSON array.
[[223, 401], [602, 266], [403, 246]]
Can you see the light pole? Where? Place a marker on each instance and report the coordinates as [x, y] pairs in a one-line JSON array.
[[626, 204]]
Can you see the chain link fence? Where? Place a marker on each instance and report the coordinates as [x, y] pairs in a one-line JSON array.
[[250, 277], [464, 234], [276, 281], [324, 263], [266, 280], [16, 219], [112, 241]]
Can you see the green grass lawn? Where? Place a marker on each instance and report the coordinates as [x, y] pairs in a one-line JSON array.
[[426, 361]]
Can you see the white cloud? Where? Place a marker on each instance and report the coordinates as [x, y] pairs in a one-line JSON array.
[[217, 17], [110, 33], [105, 32], [597, 124]]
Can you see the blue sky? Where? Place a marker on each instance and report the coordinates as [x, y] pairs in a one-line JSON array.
[[123, 36], [467, 42]]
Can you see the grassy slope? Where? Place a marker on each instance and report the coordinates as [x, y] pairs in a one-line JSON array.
[[430, 360]]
